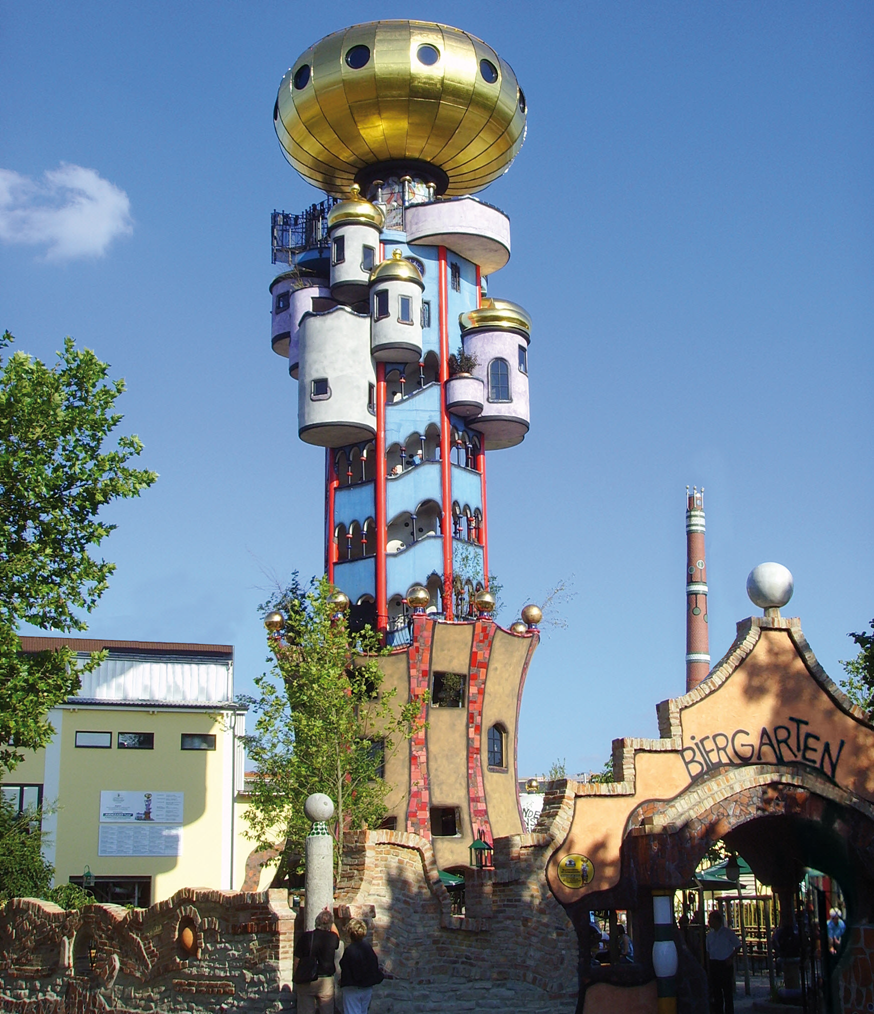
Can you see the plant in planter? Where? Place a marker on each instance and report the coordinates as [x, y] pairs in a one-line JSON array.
[[462, 363]]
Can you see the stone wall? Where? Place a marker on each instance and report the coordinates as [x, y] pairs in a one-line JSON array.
[[197, 951], [513, 949]]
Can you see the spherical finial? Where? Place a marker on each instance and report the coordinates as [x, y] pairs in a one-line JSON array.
[[485, 602], [274, 621], [338, 601], [519, 627], [418, 597], [354, 191], [318, 807], [532, 615], [770, 585]]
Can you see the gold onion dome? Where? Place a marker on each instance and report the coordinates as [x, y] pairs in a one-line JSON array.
[[356, 209], [394, 97], [498, 314], [396, 268]]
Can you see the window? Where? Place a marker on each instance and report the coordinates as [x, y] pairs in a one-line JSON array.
[[319, 389], [448, 690], [22, 797], [426, 313], [497, 758], [136, 741], [499, 380], [371, 397], [357, 57], [339, 250], [377, 755], [283, 301], [455, 276], [136, 891], [523, 359], [198, 741], [444, 822], [368, 256], [418, 265], [94, 740], [389, 824], [380, 304], [405, 309]]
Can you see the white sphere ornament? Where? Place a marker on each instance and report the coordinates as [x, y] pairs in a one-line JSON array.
[[318, 807], [770, 585]]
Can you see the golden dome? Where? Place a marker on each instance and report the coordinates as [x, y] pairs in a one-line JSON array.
[[392, 97], [356, 209], [397, 269], [499, 314]]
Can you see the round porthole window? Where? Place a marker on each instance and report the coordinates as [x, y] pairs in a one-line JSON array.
[[418, 265], [302, 77], [357, 57], [488, 70], [522, 105], [428, 55], [276, 111]]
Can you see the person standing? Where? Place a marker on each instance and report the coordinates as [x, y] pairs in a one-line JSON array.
[[359, 970], [626, 948], [836, 929], [316, 948], [722, 944]]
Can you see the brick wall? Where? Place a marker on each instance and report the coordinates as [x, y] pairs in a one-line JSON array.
[[241, 955], [514, 941]]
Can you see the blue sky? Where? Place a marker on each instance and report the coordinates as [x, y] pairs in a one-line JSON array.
[[692, 222]]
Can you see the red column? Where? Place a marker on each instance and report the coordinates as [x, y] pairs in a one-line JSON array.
[[445, 463], [381, 520], [419, 658], [331, 552], [481, 467]]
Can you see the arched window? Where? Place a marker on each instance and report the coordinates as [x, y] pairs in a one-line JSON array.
[[499, 380], [497, 751]]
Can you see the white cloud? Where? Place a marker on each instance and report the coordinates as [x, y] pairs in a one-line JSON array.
[[71, 211]]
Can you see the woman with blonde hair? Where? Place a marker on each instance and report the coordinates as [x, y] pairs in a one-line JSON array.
[[359, 970]]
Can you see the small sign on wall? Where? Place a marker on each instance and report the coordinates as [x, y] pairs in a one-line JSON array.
[[141, 807], [139, 840]]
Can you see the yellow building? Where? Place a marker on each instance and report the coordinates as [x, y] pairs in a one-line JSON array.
[[141, 784]]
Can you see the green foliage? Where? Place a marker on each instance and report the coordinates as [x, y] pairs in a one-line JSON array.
[[557, 770], [55, 476], [23, 871], [462, 362], [859, 684], [605, 775], [70, 896], [320, 715]]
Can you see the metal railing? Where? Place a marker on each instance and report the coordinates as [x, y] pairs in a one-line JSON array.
[[308, 230]]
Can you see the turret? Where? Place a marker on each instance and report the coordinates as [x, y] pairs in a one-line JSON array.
[[353, 227], [396, 311]]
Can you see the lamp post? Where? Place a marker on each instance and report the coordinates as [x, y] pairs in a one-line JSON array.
[[732, 872], [87, 877], [481, 853]]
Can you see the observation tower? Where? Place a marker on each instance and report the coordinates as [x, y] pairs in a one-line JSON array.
[[408, 370]]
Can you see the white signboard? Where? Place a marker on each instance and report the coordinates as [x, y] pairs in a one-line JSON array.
[[532, 805], [145, 807], [146, 839]]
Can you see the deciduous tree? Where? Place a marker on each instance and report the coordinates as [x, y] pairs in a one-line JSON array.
[[859, 684], [325, 722], [59, 466]]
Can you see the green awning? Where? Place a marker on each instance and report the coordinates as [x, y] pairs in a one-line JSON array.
[[449, 879], [714, 878]]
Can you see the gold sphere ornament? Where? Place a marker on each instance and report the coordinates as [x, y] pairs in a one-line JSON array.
[[338, 601], [418, 597], [484, 601], [389, 98], [188, 939], [274, 621], [532, 615], [519, 627]]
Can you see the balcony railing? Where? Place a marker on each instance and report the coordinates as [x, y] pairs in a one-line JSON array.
[[308, 230]]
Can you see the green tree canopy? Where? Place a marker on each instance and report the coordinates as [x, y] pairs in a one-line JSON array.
[[56, 474], [325, 723], [859, 684]]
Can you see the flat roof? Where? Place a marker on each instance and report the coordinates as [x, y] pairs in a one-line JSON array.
[[83, 644]]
